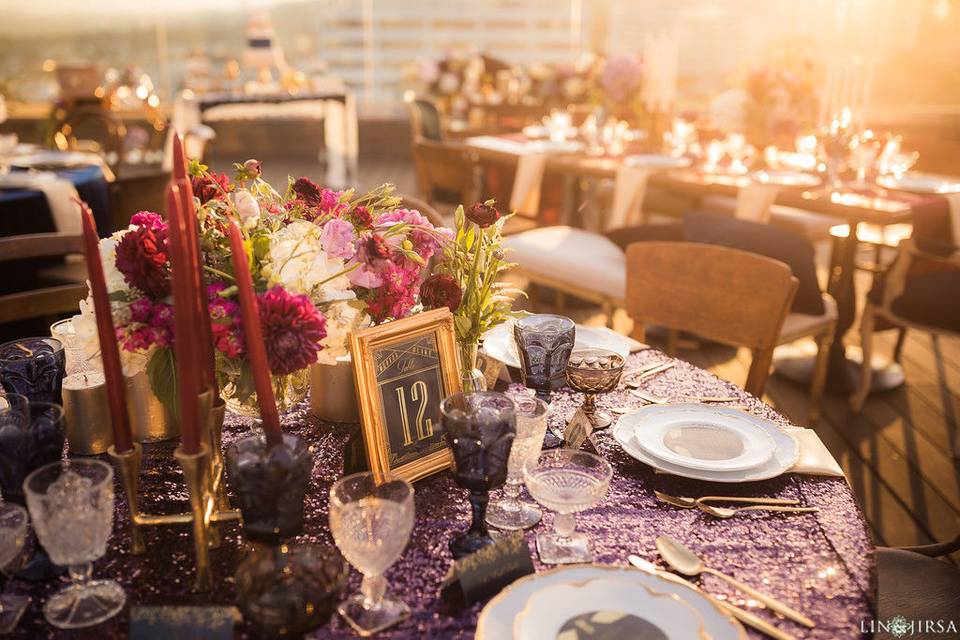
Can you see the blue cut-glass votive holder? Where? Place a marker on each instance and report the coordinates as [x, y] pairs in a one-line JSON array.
[[33, 367]]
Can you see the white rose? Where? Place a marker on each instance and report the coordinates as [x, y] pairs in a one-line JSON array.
[[247, 208], [342, 318]]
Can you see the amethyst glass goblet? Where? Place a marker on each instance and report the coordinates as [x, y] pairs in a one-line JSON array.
[[31, 435], [544, 343], [479, 428], [33, 367]]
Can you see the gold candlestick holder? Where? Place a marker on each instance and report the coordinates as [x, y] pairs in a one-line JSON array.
[[204, 480]]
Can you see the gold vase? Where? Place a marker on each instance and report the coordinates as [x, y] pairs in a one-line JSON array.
[[333, 396]]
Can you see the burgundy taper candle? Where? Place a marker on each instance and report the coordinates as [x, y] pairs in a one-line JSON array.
[[253, 337], [109, 351]]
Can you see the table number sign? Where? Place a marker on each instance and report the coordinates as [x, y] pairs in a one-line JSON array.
[[402, 371]]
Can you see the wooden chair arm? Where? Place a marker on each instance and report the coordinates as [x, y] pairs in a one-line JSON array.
[[895, 279], [936, 550]]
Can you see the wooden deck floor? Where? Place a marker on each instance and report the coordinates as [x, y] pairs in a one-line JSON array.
[[896, 453]]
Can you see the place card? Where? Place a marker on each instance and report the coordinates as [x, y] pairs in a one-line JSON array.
[[480, 575], [578, 430], [183, 623]]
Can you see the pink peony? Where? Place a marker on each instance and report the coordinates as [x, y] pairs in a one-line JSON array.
[[339, 239], [292, 330]]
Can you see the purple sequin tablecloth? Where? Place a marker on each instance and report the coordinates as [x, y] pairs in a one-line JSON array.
[[821, 564]]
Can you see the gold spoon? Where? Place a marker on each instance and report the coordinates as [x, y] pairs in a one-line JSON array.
[[691, 503], [729, 512], [685, 561]]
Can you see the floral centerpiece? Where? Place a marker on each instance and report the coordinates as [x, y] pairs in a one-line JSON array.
[[782, 103], [467, 281], [618, 87], [323, 262]]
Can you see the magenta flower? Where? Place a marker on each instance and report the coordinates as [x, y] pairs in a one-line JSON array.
[[292, 330], [224, 324], [148, 219]]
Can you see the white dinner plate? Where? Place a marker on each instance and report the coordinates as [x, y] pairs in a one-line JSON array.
[[656, 161], [496, 619], [785, 455], [702, 437], [626, 608], [499, 343], [919, 182], [55, 160], [553, 146], [786, 178]]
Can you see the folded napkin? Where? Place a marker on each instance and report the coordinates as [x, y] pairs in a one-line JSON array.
[[635, 345], [60, 195], [754, 202], [525, 197], [629, 188], [815, 459]]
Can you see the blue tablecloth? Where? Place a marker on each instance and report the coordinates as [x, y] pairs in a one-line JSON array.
[[26, 210]]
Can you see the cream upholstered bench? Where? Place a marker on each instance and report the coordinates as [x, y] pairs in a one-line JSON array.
[[589, 266]]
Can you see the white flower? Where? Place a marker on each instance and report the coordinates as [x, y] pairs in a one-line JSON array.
[[343, 317], [247, 208], [297, 262], [108, 255]]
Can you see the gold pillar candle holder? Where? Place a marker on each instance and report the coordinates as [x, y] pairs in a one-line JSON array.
[[333, 396], [218, 485], [149, 421], [86, 413], [204, 512]]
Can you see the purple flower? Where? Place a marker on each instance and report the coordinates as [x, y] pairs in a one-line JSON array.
[[339, 239], [621, 76]]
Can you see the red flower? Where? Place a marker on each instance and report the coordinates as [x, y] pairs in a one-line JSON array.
[[141, 257], [483, 214], [292, 330], [377, 247], [211, 187], [362, 218], [441, 290], [308, 191]]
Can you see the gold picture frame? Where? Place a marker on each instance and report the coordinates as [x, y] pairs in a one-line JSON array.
[[402, 371]]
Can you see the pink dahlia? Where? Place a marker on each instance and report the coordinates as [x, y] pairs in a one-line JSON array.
[[141, 256], [292, 330]]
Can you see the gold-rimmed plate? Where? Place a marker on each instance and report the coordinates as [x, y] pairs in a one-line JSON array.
[[496, 619]]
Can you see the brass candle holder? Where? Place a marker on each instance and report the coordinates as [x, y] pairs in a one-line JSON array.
[[203, 475]]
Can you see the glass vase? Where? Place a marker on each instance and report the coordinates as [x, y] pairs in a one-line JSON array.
[[471, 377], [288, 390]]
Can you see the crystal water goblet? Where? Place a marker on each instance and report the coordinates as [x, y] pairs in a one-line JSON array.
[[13, 535], [479, 428], [566, 481], [371, 520], [71, 505], [510, 513], [544, 342]]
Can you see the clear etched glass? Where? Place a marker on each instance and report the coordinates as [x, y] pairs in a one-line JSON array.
[[566, 481], [71, 504], [371, 522], [510, 512], [13, 535]]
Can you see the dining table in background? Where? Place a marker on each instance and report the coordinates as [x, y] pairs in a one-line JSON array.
[[25, 210], [820, 563]]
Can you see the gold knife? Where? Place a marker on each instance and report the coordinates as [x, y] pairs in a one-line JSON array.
[[743, 616]]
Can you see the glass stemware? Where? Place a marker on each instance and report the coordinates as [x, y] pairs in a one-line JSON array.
[[371, 523], [31, 435], [71, 505], [33, 367], [566, 481], [510, 513], [13, 535], [593, 371], [480, 429], [864, 150], [544, 342]]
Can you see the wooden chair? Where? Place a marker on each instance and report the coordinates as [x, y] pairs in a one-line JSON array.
[[46, 301], [445, 172], [899, 300], [914, 583], [722, 294], [428, 211]]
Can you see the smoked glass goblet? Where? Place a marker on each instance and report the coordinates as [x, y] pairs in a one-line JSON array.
[[593, 371], [544, 342], [479, 428], [13, 535], [510, 512], [71, 505], [371, 522], [31, 435], [566, 481], [33, 367]]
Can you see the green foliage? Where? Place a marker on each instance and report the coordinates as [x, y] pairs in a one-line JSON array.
[[162, 374]]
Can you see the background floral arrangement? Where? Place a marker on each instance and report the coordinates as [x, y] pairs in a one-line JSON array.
[[324, 263], [618, 86], [782, 102]]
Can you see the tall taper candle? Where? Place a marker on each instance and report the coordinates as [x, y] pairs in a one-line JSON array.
[[109, 351], [185, 327], [253, 336], [207, 358]]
